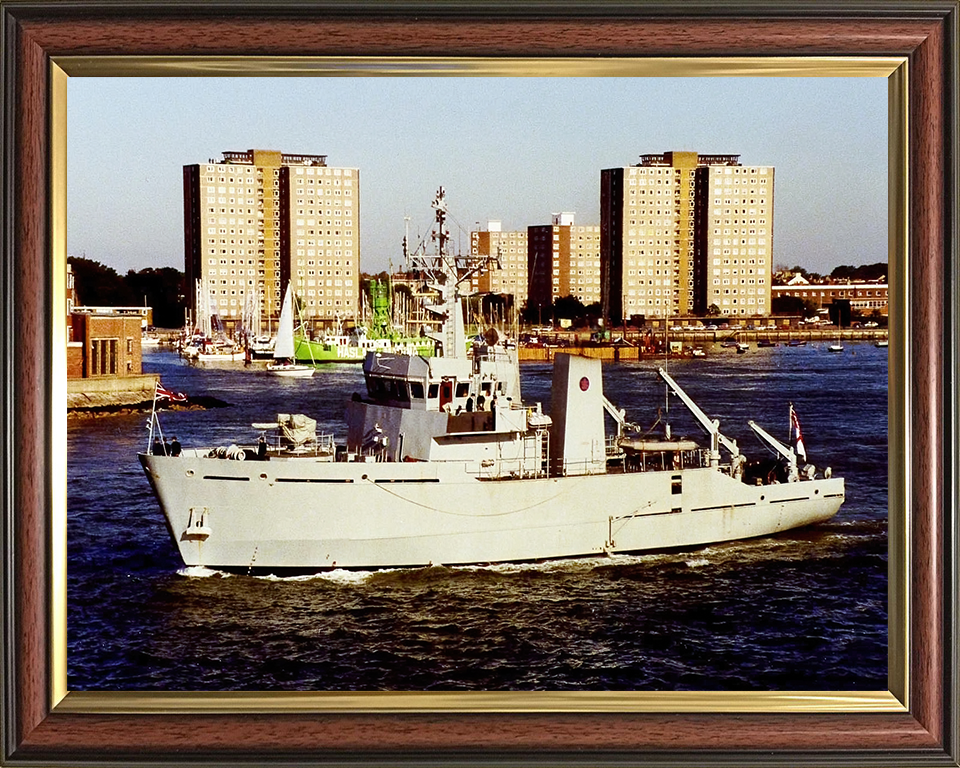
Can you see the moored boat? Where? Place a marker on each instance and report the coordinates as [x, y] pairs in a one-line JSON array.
[[353, 348], [204, 350], [378, 335]]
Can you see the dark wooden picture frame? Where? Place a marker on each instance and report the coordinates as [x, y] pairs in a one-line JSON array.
[[39, 728]]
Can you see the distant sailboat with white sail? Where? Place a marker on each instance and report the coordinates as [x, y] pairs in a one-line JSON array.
[[284, 363]]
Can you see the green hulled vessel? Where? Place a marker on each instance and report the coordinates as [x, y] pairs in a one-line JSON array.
[[378, 336]]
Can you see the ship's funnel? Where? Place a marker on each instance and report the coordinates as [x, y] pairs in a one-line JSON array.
[[577, 445]]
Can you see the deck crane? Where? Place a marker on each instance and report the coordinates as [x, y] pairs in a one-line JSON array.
[[712, 427], [787, 453]]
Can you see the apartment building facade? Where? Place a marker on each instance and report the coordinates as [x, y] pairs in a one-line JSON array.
[[510, 251], [658, 221], [734, 239], [563, 260], [257, 220]]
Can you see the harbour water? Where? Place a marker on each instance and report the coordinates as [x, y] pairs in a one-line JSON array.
[[805, 610]]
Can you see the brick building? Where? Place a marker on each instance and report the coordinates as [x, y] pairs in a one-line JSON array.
[[866, 298], [103, 345]]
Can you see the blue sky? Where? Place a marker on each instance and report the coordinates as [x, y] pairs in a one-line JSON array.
[[515, 149]]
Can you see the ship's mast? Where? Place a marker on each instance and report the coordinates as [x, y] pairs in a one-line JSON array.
[[445, 274]]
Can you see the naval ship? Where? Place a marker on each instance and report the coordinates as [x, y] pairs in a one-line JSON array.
[[444, 464]]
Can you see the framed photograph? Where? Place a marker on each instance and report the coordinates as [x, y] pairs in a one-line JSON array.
[[912, 46]]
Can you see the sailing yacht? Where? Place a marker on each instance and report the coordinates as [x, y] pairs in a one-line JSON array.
[[283, 352]]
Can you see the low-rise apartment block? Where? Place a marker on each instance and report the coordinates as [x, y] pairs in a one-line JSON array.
[[865, 298]]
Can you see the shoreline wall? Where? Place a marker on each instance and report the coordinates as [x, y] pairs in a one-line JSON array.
[[109, 392]]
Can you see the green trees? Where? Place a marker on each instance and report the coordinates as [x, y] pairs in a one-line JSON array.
[[163, 290], [865, 272], [100, 285], [792, 305], [564, 308]]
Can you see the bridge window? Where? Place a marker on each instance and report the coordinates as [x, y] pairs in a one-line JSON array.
[[446, 392], [376, 387]]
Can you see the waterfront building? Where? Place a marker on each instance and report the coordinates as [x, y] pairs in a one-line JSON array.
[[508, 277], [563, 260], [103, 344], [864, 297], [681, 232], [72, 300], [259, 219], [104, 360], [733, 238]]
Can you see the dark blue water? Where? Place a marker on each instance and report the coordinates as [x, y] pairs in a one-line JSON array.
[[806, 610]]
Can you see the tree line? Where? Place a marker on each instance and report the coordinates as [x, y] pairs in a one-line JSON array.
[[863, 273], [98, 285]]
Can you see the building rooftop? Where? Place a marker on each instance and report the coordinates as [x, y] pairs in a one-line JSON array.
[[665, 159], [247, 158]]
